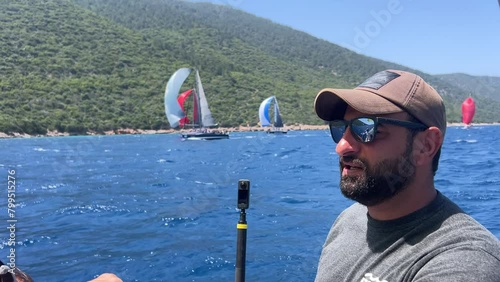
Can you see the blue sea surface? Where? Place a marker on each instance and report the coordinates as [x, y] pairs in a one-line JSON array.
[[156, 208]]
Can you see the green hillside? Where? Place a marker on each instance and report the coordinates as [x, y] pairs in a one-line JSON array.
[[82, 65], [487, 86]]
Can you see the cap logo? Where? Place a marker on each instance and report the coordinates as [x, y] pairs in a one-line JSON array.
[[379, 79]]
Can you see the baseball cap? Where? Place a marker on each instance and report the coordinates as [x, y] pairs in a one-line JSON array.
[[386, 92]]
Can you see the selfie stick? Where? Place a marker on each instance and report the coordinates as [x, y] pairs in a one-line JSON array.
[[241, 249]]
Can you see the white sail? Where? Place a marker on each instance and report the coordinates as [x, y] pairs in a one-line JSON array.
[[206, 115], [173, 110]]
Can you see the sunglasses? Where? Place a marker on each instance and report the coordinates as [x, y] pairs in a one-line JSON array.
[[364, 129]]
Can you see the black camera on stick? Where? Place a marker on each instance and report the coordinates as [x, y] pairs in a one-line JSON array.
[[243, 194]]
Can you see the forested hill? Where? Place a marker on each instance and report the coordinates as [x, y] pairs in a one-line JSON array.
[[79, 65], [487, 86]]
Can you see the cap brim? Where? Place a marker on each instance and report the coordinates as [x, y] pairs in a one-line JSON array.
[[331, 104]]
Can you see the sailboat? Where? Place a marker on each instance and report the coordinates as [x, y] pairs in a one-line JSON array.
[[468, 110], [202, 120], [264, 115]]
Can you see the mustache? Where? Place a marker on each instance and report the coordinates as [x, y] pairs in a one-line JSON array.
[[353, 160]]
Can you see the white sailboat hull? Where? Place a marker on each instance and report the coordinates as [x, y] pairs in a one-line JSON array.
[[204, 136]]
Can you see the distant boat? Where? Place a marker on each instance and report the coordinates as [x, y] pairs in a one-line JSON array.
[[468, 110], [265, 113], [201, 121]]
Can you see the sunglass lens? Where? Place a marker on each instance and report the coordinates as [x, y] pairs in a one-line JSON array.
[[337, 129], [363, 129]]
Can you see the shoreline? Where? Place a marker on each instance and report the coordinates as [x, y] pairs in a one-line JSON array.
[[129, 131]]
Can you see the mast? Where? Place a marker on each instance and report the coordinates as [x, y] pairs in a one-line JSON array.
[[196, 109]]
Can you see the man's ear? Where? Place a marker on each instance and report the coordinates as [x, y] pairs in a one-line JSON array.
[[426, 145]]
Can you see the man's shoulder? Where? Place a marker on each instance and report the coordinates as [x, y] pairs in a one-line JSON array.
[[354, 210]]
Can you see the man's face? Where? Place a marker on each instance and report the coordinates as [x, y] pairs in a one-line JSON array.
[[374, 172]]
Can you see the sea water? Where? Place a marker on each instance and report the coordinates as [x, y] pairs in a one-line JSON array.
[[156, 208]]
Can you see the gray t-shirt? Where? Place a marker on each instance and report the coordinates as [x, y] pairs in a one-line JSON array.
[[436, 243]]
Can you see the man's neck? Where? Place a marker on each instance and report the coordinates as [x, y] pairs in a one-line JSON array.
[[411, 199]]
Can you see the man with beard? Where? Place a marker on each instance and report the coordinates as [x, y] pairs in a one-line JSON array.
[[389, 131]]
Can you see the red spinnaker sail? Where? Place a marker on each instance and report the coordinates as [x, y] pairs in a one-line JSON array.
[[468, 110], [181, 99]]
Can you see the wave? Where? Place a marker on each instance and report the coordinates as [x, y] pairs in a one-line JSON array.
[[465, 141], [83, 209]]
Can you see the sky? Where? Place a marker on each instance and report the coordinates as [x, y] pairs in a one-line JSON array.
[[433, 36]]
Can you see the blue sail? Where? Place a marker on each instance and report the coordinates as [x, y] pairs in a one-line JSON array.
[[264, 112]]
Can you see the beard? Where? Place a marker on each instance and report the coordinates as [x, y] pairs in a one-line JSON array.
[[380, 181]]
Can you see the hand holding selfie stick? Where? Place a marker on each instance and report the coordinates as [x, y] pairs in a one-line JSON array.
[[243, 203]]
